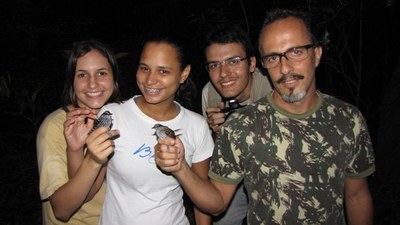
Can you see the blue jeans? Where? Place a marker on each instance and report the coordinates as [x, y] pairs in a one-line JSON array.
[[236, 211]]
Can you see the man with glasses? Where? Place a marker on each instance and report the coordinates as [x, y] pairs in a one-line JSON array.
[[231, 66], [304, 156]]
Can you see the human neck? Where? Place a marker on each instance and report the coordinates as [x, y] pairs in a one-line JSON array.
[[299, 107], [161, 111]]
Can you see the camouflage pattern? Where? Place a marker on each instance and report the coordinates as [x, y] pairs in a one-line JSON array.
[[294, 166]]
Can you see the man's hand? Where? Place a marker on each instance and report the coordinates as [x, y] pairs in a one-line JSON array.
[[215, 117]]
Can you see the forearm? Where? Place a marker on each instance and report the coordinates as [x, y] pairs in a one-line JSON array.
[[201, 191], [359, 210], [201, 169], [74, 161], [97, 184], [358, 202], [201, 218], [72, 195]]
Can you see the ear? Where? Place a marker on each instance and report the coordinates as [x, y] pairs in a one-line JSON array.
[[253, 63], [318, 55], [185, 73]]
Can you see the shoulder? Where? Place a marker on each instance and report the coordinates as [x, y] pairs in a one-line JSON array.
[[117, 106], [252, 112], [343, 111], [193, 116], [54, 119], [210, 94], [194, 120], [51, 133], [258, 75], [333, 103], [261, 85], [206, 88], [259, 105]]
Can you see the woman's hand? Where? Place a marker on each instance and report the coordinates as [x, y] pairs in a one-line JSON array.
[[100, 144], [77, 126]]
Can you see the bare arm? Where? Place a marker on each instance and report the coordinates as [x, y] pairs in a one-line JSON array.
[[358, 202], [76, 128], [88, 179], [100, 146], [201, 169], [211, 197], [71, 196]]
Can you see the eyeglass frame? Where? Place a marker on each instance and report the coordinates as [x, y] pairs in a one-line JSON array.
[[220, 63], [284, 54]]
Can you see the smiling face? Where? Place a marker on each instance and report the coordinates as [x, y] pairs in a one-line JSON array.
[[93, 80], [231, 81], [293, 81], [159, 74]]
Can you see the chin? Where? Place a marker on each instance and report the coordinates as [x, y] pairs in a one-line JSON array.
[[95, 106], [292, 98], [151, 100], [229, 94]]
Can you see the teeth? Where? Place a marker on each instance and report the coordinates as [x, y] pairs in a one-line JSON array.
[[227, 83], [152, 90], [94, 93], [290, 81]]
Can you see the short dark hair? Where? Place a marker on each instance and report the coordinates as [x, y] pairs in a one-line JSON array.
[[79, 49], [277, 14], [227, 33]]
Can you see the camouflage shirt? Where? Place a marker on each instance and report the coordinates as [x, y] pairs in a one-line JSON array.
[[294, 166]]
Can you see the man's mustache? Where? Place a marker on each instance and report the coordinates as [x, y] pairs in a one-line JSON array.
[[286, 77]]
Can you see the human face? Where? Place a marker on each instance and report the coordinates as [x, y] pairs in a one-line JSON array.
[[93, 81], [293, 81], [231, 81], [159, 74]]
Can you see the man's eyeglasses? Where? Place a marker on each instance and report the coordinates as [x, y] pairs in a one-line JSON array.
[[230, 62], [294, 54]]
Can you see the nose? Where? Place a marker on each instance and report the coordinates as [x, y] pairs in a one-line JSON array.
[[224, 70], [284, 65], [283, 55], [151, 77], [93, 81]]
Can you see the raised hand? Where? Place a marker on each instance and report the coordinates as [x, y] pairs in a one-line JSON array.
[[100, 144], [215, 117], [77, 126], [170, 154]]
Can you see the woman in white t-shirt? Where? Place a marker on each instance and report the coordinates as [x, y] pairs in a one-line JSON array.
[[138, 192]]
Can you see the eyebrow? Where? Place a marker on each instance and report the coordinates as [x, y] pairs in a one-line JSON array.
[[158, 67], [84, 70], [231, 57], [277, 53], [164, 67]]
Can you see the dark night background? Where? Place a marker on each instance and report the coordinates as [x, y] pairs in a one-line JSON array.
[[361, 66]]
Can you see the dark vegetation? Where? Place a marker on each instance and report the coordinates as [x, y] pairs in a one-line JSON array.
[[361, 65]]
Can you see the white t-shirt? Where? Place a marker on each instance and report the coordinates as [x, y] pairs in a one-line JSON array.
[[138, 192]]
